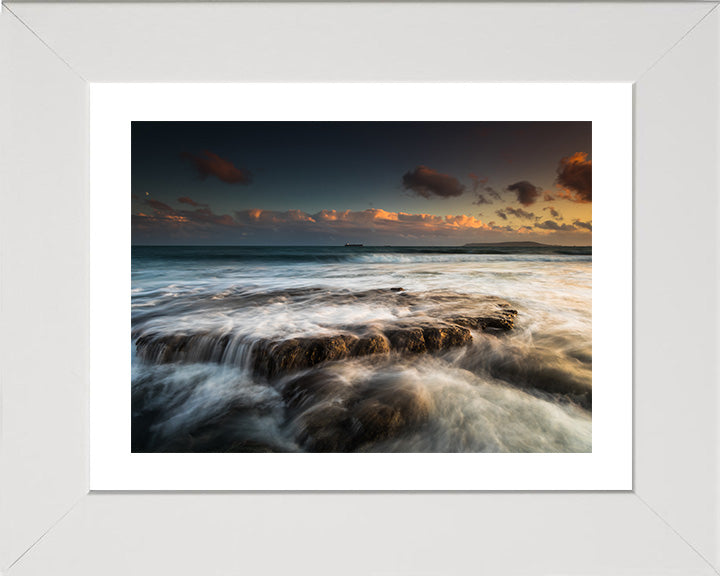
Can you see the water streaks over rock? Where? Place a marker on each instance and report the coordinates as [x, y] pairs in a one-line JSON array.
[[272, 357], [328, 414]]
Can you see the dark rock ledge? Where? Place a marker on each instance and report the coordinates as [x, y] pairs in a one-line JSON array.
[[275, 357]]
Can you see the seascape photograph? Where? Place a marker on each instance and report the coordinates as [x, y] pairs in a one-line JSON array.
[[406, 287]]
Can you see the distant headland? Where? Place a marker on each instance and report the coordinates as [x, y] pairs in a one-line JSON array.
[[515, 245]]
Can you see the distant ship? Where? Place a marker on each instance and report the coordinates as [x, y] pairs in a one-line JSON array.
[[348, 245]]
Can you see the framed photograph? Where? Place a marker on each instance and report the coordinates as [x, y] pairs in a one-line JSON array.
[[375, 270], [379, 325]]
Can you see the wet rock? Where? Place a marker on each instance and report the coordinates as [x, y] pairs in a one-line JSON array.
[[325, 428], [316, 408], [313, 388], [407, 340], [542, 369], [328, 415], [328, 348], [428, 338], [443, 337], [160, 349], [538, 372], [585, 400], [163, 349], [369, 345], [272, 358], [385, 413], [502, 320]]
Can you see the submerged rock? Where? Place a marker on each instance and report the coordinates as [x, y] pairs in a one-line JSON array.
[[314, 387], [166, 348], [325, 428], [329, 415], [388, 412]]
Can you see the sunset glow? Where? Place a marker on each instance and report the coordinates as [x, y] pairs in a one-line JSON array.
[[413, 183]]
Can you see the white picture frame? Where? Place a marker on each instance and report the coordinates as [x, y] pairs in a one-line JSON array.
[[668, 523]]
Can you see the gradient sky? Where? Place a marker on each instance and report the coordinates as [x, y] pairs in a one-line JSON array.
[[377, 183]]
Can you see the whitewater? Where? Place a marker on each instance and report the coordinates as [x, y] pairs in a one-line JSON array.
[[206, 319]]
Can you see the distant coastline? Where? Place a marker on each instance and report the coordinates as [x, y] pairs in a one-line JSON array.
[[517, 245]]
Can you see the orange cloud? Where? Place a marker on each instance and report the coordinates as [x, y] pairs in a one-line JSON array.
[[372, 218], [380, 214], [463, 221], [299, 216], [330, 215], [574, 178]]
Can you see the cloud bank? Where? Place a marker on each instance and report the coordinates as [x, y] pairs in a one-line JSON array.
[[158, 220]]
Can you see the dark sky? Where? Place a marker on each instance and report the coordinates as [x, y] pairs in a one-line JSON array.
[[400, 183]]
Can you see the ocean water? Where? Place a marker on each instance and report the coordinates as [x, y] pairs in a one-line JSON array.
[[213, 308]]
